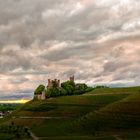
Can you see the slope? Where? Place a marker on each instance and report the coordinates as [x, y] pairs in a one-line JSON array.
[[121, 115]]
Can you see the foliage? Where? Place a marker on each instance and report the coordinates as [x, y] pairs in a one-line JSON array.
[[101, 86], [7, 107], [88, 89], [80, 88], [67, 88], [62, 91], [12, 131], [39, 89], [52, 92]]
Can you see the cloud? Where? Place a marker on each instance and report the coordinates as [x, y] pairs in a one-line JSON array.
[[97, 41]]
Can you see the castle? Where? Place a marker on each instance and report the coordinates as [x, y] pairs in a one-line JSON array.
[[41, 96], [50, 83]]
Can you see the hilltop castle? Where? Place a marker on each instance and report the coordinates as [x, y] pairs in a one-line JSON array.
[[50, 83], [72, 78], [57, 82]]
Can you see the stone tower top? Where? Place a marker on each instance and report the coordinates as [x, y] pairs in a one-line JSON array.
[[72, 78], [50, 83]]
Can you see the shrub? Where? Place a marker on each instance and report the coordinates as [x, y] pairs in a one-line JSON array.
[[88, 89], [39, 89], [101, 86], [52, 92], [62, 91], [69, 86]]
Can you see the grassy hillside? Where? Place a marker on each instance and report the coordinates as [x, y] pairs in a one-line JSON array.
[[124, 114], [102, 112], [67, 106], [124, 90]]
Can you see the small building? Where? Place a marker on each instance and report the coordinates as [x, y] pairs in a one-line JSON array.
[[1, 115], [40, 96]]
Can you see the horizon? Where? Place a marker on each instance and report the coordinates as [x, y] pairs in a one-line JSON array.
[[20, 101], [96, 41]]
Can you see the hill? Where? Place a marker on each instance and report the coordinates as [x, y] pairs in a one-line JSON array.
[[123, 90], [124, 113], [99, 114], [120, 116]]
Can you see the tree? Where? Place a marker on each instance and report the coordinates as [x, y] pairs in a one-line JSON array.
[[62, 91], [52, 92], [69, 86], [39, 89], [80, 88]]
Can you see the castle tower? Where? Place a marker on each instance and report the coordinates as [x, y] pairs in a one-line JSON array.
[[72, 78], [58, 83], [49, 83]]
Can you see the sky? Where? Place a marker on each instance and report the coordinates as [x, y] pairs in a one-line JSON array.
[[97, 41]]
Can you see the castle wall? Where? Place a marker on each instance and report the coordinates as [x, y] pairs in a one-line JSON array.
[[49, 83], [40, 96], [43, 97]]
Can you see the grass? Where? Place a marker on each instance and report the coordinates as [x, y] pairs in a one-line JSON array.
[[124, 113], [8, 132], [71, 107], [131, 136], [88, 116], [67, 106], [7, 107], [4, 136], [121, 115], [80, 138], [126, 90]]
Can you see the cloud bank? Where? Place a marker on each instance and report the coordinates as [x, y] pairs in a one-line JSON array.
[[97, 41]]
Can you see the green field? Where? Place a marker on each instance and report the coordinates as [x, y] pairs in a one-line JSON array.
[[8, 107], [103, 114], [80, 138]]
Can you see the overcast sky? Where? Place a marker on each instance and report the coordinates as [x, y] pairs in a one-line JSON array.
[[98, 41]]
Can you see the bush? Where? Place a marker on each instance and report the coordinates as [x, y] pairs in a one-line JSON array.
[[39, 89], [52, 92], [80, 88], [69, 86], [62, 91], [101, 86], [88, 89]]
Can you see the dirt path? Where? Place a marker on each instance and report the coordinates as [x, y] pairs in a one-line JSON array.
[[33, 136], [40, 117], [117, 137], [90, 94]]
